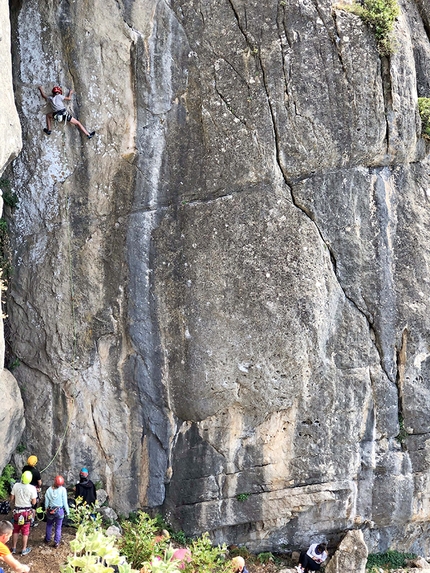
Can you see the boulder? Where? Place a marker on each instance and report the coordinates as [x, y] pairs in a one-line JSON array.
[[351, 555]]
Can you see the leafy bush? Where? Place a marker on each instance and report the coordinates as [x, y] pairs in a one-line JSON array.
[[7, 479], [9, 198], [380, 16], [388, 560], [139, 543], [162, 565], [96, 552], [424, 109], [206, 558], [85, 516], [265, 557]]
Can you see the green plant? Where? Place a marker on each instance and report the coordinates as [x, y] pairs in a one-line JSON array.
[[14, 364], [424, 109], [138, 542], [242, 496], [95, 552], [380, 16], [20, 448], [403, 434], [85, 516], [9, 198], [388, 560], [241, 551], [265, 557], [162, 564], [7, 479], [206, 558]]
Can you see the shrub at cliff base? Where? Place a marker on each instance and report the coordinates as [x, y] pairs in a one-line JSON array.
[[388, 560], [140, 548], [424, 109], [95, 552]]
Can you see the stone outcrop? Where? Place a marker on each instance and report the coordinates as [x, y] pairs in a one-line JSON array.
[[11, 404], [220, 303], [351, 555]]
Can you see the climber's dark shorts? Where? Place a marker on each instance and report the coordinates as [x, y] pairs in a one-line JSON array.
[[62, 115]]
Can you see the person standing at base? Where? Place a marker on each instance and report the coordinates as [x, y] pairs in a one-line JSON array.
[[24, 497], [6, 529], [312, 559], [56, 506], [36, 480], [85, 488]]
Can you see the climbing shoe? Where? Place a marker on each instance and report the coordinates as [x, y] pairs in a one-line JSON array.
[[92, 134], [13, 550], [47, 131], [26, 551]]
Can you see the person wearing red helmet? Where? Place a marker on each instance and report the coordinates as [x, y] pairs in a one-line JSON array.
[[56, 506], [59, 112]]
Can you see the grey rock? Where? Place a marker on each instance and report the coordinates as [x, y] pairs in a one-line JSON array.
[[114, 531], [351, 555], [221, 300], [101, 496], [107, 513]]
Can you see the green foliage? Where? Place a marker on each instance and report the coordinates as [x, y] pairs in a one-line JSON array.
[[380, 16], [424, 109], [265, 557], [7, 479], [403, 434], [138, 541], [162, 564], [206, 558], [242, 496], [9, 198], [20, 448], [388, 560], [95, 552], [85, 516], [14, 364], [239, 552]]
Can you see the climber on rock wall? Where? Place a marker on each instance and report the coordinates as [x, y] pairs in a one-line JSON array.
[[312, 559], [59, 112]]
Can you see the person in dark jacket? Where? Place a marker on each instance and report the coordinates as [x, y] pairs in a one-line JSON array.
[[36, 481], [85, 488], [31, 467]]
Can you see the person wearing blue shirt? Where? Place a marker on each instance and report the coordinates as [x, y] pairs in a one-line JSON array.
[[56, 506]]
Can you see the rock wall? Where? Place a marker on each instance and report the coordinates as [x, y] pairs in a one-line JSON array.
[[11, 404], [220, 303]]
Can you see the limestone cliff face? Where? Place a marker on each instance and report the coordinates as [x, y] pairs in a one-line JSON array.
[[11, 405], [225, 292]]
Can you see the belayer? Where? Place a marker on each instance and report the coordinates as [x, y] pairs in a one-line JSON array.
[[59, 112]]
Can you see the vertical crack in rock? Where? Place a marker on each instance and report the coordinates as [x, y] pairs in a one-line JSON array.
[[400, 380], [388, 96]]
